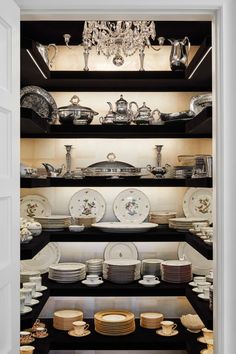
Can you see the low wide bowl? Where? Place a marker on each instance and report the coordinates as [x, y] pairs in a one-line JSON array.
[[193, 323]]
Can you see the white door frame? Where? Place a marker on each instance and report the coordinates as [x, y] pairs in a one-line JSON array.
[[223, 14]]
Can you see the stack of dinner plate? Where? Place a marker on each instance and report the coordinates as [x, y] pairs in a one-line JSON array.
[[67, 272], [114, 322], [161, 217], [94, 266], [151, 266], [121, 271], [176, 271], [184, 223], [54, 221], [151, 320], [63, 319]]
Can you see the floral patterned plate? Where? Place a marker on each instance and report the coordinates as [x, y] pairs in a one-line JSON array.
[[34, 205], [131, 206], [198, 203], [87, 203]]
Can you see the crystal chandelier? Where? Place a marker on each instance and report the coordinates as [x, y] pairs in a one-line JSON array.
[[119, 39]]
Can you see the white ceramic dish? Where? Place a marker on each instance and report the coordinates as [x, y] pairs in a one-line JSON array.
[[120, 250], [198, 203], [87, 203], [119, 227], [150, 284], [131, 205], [90, 284], [34, 205]]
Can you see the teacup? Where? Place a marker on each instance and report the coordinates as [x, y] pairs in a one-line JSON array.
[[80, 327], [207, 333], [168, 327], [40, 332], [25, 337], [27, 293], [198, 225], [199, 279], [37, 281], [206, 229], [22, 303], [149, 278], [31, 286], [93, 278], [26, 349], [206, 291], [203, 284]]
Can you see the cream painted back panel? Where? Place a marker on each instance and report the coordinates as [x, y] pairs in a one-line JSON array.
[[9, 175]]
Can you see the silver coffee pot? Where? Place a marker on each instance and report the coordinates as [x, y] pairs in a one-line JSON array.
[[179, 53], [122, 114], [144, 114], [43, 50], [110, 117]]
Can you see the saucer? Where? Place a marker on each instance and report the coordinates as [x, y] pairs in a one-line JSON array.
[[208, 242], [43, 288], [27, 309], [196, 290], [193, 231], [37, 295], [201, 340], [25, 342], [203, 297], [33, 302], [204, 238], [173, 333], [89, 283], [73, 333], [193, 284], [153, 283], [39, 337]]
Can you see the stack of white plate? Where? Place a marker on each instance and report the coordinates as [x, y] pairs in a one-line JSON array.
[[67, 272], [176, 271], [121, 271], [94, 266], [184, 223], [57, 222], [161, 217], [151, 320], [151, 266], [63, 319], [114, 322]]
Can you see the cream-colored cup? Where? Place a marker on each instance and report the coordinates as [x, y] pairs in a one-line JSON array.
[[37, 281], [22, 303], [93, 278], [150, 278], [25, 336], [26, 349], [27, 293], [206, 291], [80, 327], [41, 331], [199, 279], [168, 327], [203, 284], [29, 285], [207, 333]]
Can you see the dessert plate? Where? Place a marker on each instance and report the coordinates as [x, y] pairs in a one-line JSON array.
[[120, 250], [34, 205], [198, 203], [131, 205]]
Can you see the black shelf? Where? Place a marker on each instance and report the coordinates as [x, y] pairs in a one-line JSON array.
[[199, 245], [142, 339], [32, 126], [201, 307], [29, 250]]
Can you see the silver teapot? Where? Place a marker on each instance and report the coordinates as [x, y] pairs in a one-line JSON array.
[[110, 117], [144, 114], [43, 50], [122, 115], [179, 53]]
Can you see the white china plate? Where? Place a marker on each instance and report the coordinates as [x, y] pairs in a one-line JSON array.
[[50, 254], [120, 227], [67, 267], [131, 205], [198, 203], [200, 265], [34, 205], [150, 284], [87, 203], [27, 309], [120, 250], [203, 297], [90, 284], [122, 262], [176, 263]]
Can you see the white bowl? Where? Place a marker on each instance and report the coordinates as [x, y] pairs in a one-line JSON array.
[[193, 323], [76, 228]]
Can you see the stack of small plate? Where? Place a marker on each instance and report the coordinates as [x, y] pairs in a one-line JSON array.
[[176, 271], [63, 319], [94, 266], [151, 266], [67, 272], [114, 322], [184, 223], [121, 271], [183, 171], [57, 222], [161, 217], [151, 320]]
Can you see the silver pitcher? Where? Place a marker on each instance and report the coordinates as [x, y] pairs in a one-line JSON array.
[[43, 50], [179, 53]]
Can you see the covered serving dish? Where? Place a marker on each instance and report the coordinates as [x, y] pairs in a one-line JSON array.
[[76, 114]]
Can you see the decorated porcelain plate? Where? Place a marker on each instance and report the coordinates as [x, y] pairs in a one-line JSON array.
[[131, 206], [50, 254], [198, 203], [120, 250], [34, 205], [87, 203]]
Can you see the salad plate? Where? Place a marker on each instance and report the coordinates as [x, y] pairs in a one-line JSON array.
[[198, 203], [34, 205]]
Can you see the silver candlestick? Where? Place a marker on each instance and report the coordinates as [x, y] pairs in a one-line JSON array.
[[158, 149], [68, 161]]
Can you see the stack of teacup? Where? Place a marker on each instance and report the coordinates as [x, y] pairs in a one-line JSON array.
[[201, 287]]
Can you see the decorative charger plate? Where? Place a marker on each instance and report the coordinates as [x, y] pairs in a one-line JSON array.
[[39, 100], [50, 254], [200, 265], [120, 227], [131, 206], [34, 205], [198, 203], [120, 250], [87, 203]]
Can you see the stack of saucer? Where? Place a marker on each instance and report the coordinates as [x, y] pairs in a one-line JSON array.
[[94, 266], [114, 322], [151, 320], [57, 222], [184, 223], [67, 272], [176, 271], [161, 217], [151, 266], [63, 319], [121, 271]]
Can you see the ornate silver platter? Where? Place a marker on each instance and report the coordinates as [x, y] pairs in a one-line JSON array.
[[198, 103]]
